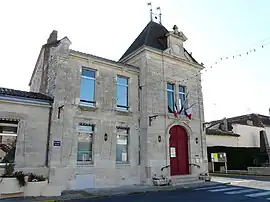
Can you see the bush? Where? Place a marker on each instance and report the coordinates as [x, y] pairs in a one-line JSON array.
[[35, 178]]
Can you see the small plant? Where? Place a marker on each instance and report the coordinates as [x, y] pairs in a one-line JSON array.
[[35, 178], [9, 170], [21, 178], [9, 173]]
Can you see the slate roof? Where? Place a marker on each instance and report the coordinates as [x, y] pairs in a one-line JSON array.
[[154, 36], [7, 92], [104, 59]]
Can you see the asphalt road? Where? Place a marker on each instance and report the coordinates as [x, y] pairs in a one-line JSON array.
[[218, 193]]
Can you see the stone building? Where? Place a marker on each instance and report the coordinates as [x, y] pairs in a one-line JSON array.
[[111, 123]]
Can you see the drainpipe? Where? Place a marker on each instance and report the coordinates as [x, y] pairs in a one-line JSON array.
[[48, 138]]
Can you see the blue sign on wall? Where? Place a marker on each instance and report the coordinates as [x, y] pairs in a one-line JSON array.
[[56, 143]]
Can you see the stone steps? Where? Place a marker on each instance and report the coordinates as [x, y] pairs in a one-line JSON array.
[[185, 179]]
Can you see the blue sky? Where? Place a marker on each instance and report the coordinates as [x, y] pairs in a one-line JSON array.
[[106, 28]]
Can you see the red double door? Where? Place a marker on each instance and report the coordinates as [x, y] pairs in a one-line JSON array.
[[179, 151]]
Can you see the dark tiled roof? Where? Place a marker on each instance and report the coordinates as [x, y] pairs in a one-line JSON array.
[[221, 133], [23, 94], [257, 119], [153, 35], [104, 59]]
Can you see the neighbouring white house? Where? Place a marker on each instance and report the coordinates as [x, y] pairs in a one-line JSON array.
[[241, 138], [92, 122]]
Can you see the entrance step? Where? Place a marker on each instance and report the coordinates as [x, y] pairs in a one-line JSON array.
[[185, 179]]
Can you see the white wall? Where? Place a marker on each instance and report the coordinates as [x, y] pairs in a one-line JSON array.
[[249, 137]]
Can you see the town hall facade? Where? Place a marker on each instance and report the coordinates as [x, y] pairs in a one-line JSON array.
[[93, 122]]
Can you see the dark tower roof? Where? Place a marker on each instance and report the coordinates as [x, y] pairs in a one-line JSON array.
[[154, 36]]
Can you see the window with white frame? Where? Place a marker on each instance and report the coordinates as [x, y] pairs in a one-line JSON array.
[[87, 88], [122, 142], [170, 97], [85, 143], [122, 93], [8, 138], [182, 96]]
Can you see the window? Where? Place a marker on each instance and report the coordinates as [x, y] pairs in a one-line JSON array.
[[170, 97], [85, 143], [122, 93], [8, 137], [87, 92], [182, 96], [122, 145]]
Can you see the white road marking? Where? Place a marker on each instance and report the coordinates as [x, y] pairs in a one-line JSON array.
[[241, 191], [225, 189], [259, 194], [205, 188]]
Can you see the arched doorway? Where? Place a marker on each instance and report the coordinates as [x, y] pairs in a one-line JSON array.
[[179, 151]]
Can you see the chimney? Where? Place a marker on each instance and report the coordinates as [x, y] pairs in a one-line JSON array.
[[53, 37], [225, 122]]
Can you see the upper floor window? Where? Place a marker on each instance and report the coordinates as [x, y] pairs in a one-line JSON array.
[[182, 96], [8, 137], [170, 97], [122, 93], [85, 143], [87, 92]]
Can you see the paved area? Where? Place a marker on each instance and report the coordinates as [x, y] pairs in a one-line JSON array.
[[220, 193], [221, 189]]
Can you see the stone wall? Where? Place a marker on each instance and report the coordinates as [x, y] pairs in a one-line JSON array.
[[30, 155], [259, 170], [155, 69], [63, 163]]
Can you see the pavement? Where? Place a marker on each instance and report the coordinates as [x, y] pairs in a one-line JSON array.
[[221, 189]]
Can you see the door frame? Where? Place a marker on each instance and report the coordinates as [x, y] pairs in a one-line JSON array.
[[188, 132]]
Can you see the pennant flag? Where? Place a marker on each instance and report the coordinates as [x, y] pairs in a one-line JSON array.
[[188, 113], [179, 105], [175, 111]]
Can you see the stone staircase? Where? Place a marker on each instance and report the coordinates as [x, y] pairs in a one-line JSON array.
[[185, 179]]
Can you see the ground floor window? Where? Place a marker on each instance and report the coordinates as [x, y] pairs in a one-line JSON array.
[[85, 143], [8, 138], [122, 141]]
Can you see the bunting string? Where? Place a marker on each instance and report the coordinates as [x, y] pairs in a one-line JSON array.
[[217, 62]]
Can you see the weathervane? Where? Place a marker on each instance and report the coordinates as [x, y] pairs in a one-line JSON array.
[[155, 14]]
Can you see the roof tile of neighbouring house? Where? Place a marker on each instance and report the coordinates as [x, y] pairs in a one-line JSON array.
[[257, 120], [221, 133], [154, 36], [7, 92]]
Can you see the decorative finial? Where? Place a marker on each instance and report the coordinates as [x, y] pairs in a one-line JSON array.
[[175, 29], [151, 10]]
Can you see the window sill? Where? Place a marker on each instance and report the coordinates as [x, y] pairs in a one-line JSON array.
[[87, 107], [181, 117], [121, 165], [123, 112], [85, 164]]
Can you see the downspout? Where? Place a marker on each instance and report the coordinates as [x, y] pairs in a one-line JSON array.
[[48, 138]]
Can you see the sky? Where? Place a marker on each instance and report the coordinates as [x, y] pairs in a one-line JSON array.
[[215, 29]]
